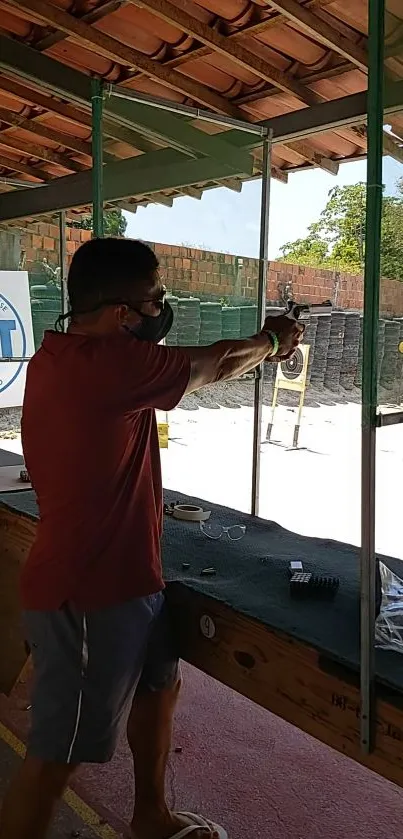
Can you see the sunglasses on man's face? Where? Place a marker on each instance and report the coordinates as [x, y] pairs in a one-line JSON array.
[[159, 297]]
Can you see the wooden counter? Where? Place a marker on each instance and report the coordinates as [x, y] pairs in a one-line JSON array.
[[289, 678]]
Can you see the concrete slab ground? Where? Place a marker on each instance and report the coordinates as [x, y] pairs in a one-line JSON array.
[[72, 819]]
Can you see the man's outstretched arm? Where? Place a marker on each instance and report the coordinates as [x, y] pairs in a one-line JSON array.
[[227, 360]]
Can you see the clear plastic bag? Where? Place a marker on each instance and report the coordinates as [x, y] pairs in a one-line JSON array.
[[389, 623]]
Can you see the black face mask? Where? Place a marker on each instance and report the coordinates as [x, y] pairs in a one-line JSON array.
[[151, 328], [154, 329]]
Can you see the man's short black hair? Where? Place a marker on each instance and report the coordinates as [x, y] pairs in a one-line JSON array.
[[108, 270]]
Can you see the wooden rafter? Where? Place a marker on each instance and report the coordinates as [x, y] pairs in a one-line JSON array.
[[192, 192], [305, 151], [78, 117], [160, 198], [170, 13], [101, 11], [279, 175], [24, 169], [126, 206], [392, 147], [231, 183], [315, 76], [128, 56], [321, 31], [30, 125], [251, 29], [33, 150]]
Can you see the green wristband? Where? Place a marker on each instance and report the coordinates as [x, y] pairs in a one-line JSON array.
[[274, 339]]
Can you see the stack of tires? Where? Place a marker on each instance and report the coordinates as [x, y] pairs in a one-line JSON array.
[[321, 350], [381, 346], [188, 321], [172, 337], [349, 361], [358, 375], [399, 371], [248, 321], [210, 323], [390, 355], [231, 322], [45, 307], [309, 338], [335, 351]]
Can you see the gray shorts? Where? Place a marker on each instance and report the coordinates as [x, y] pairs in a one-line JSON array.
[[87, 669]]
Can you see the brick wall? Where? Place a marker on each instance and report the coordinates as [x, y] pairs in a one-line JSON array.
[[42, 242], [216, 276], [211, 275]]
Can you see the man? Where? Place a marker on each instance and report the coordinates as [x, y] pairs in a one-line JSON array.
[[92, 585]]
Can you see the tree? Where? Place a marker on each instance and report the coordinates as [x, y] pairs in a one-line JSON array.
[[337, 239], [115, 223]]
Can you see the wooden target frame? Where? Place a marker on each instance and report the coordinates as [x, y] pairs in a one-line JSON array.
[[163, 429], [296, 381]]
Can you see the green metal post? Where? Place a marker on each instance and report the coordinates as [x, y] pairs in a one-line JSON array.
[[97, 158], [64, 304], [369, 370], [261, 313]]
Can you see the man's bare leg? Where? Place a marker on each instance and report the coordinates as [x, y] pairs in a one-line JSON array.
[[30, 802], [149, 734]]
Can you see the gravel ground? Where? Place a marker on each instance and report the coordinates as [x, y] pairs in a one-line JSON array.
[[10, 419], [226, 395], [240, 393]]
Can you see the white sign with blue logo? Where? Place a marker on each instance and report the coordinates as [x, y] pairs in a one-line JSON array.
[[16, 336]]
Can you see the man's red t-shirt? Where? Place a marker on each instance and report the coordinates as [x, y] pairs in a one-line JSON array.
[[90, 444]]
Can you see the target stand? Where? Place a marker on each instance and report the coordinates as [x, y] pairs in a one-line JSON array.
[[291, 375], [163, 429]]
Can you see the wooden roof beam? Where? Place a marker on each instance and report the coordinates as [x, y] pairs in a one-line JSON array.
[[160, 198], [32, 150], [318, 29], [128, 56], [392, 148], [391, 145], [126, 206], [307, 153], [18, 121], [177, 16], [258, 25], [230, 183], [77, 117], [24, 169], [192, 192], [101, 11]]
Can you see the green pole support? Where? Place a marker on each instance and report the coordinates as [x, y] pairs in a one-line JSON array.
[[97, 158], [369, 367]]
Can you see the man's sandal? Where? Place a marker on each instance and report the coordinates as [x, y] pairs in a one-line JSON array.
[[200, 822]]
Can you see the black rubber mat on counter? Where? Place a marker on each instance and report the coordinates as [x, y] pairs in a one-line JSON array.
[[252, 578]]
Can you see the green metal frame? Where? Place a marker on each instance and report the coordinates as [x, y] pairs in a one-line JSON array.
[[63, 266], [97, 158], [162, 126], [261, 313], [142, 175], [369, 374]]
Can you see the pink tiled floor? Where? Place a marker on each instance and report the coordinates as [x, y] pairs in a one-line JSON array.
[[250, 771]]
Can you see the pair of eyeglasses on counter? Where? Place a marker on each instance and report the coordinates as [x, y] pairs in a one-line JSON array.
[[216, 531]]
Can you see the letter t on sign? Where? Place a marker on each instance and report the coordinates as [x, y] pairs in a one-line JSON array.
[[6, 328]]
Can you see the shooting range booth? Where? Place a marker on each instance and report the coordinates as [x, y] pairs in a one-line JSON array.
[[95, 116]]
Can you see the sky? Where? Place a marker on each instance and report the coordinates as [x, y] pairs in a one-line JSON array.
[[227, 221]]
